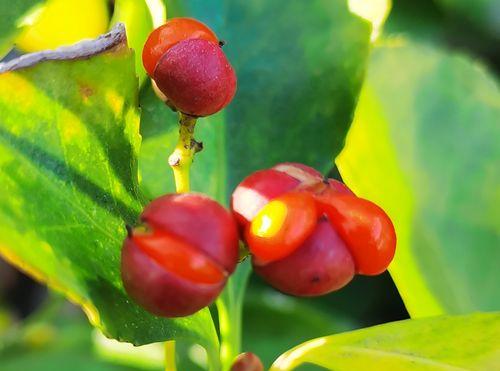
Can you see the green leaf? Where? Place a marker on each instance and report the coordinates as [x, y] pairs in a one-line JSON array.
[[422, 21], [441, 343], [423, 145], [274, 322], [69, 139], [11, 14], [229, 308], [138, 21], [484, 14]]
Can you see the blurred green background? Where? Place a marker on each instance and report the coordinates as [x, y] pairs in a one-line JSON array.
[[41, 331]]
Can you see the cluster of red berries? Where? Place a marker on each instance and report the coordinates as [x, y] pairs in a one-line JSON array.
[[307, 236], [186, 62]]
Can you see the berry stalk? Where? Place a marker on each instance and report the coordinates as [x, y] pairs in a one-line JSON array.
[[180, 161], [182, 157]]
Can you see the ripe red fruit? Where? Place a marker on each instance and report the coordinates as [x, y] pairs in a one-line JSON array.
[[308, 235], [366, 229], [181, 261], [321, 265], [256, 190], [196, 77], [281, 226], [172, 32], [247, 362]]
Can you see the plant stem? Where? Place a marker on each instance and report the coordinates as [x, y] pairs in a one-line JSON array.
[[230, 331], [182, 157], [170, 356], [230, 306], [180, 161]]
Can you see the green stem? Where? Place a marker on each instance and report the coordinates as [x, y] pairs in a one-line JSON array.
[[170, 356], [181, 159], [230, 307]]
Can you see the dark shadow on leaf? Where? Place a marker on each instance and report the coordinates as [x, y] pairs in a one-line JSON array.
[[86, 98], [65, 173]]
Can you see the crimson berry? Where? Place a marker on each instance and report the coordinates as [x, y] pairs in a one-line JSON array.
[[169, 34], [307, 235], [365, 228], [247, 362], [256, 190], [321, 265], [196, 77], [179, 261]]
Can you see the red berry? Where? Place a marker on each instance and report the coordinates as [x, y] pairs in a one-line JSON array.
[[321, 265], [172, 32], [159, 291], [178, 257], [281, 226], [181, 262], [256, 190], [365, 228], [198, 220], [307, 235], [196, 77], [247, 362]]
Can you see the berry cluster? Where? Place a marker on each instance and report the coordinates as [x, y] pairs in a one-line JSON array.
[[186, 62], [307, 235]]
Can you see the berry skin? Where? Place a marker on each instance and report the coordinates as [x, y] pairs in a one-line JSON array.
[[321, 265], [172, 32], [159, 291], [256, 190], [305, 174], [339, 187], [327, 186], [196, 77], [366, 229], [180, 262], [281, 226]]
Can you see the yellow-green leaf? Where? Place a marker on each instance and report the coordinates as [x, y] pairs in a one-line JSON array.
[[424, 146], [69, 141], [62, 22], [12, 15], [444, 343], [138, 20]]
